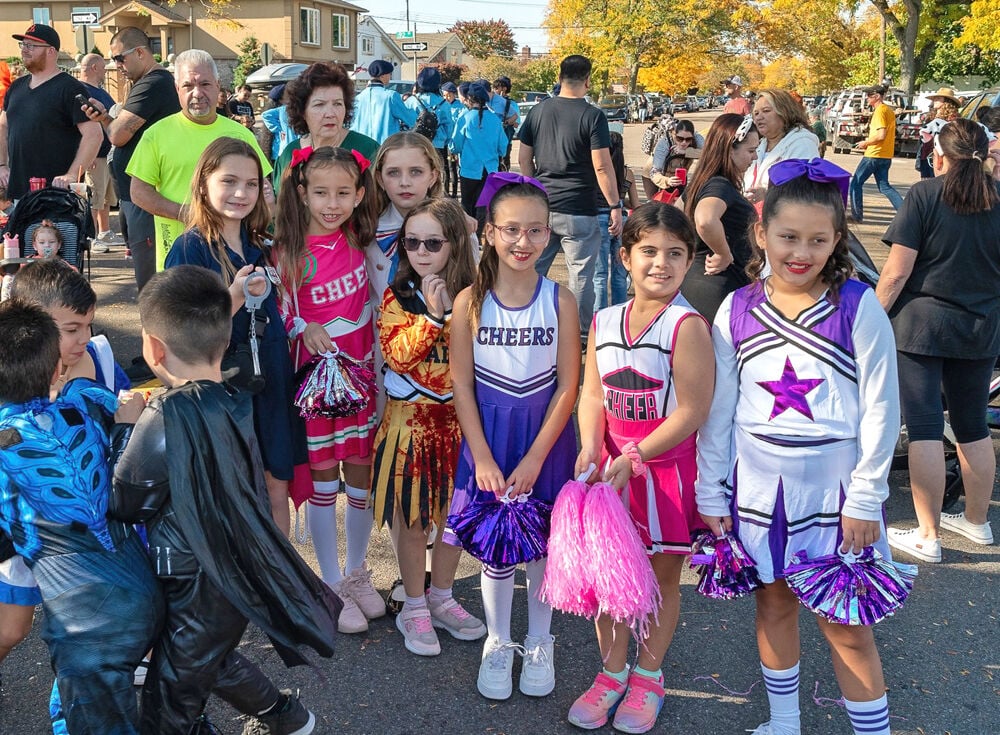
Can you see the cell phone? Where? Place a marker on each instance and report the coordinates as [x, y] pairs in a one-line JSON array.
[[81, 100], [682, 174]]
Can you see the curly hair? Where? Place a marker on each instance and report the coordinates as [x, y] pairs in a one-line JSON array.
[[318, 75]]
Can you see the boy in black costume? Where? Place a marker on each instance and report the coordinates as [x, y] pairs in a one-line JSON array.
[[219, 557]]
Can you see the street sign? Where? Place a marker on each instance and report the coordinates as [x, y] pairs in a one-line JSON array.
[[404, 34], [418, 46], [85, 17], [266, 54]]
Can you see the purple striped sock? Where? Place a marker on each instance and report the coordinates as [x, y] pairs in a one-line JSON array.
[[869, 718], [783, 697]]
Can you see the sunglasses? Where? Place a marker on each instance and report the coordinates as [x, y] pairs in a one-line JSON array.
[[433, 244], [683, 139], [120, 58]]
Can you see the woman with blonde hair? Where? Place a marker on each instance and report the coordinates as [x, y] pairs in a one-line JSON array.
[[784, 133]]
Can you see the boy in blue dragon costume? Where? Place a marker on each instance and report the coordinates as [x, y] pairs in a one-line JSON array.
[[102, 605]]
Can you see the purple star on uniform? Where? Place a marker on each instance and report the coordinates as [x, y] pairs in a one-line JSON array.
[[790, 392]]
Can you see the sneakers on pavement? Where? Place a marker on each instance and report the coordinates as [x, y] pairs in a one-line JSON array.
[[911, 542], [455, 619], [362, 591], [289, 718], [976, 533], [103, 242], [538, 671], [418, 633], [594, 707], [641, 706], [496, 669], [351, 619]]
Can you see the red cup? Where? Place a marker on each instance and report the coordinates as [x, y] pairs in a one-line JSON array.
[[682, 174], [34, 183]]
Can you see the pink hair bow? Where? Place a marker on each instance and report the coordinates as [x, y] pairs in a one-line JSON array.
[[301, 155], [363, 163]]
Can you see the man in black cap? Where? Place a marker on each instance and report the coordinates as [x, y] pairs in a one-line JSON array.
[[44, 132], [380, 112], [879, 147]]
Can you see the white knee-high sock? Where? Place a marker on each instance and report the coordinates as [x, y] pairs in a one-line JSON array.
[[869, 718], [783, 696], [321, 517], [358, 521], [498, 597], [539, 613]]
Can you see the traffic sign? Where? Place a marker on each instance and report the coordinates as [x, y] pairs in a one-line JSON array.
[[404, 34], [418, 46], [86, 17], [266, 53]]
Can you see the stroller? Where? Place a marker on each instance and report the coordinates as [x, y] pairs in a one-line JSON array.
[[867, 272], [68, 211]]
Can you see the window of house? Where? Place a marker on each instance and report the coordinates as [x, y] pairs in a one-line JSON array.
[[309, 26], [367, 45], [41, 15], [341, 26]]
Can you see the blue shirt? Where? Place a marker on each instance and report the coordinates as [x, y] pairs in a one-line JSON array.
[[276, 121], [380, 112], [439, 107], [479, 143], [498, 103]]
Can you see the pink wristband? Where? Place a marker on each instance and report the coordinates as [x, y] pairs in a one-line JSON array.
[[631, 450]]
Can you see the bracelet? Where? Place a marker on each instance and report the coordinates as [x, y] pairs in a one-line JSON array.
[[620, 205]]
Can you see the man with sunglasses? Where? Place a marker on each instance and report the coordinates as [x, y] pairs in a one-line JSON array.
[[43, 131], [879, 147], [153, 97]]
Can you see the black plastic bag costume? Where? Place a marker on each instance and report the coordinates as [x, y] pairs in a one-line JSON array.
[[192, 472]]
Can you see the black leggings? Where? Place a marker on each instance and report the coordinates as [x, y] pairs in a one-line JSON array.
[[966, 387]]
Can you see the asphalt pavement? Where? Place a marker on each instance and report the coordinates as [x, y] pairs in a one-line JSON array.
[[941, 652]]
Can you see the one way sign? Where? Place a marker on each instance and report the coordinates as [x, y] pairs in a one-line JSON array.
[[85, 17]]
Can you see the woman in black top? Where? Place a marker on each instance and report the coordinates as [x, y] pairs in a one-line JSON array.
[[941, 287], [721, 214]]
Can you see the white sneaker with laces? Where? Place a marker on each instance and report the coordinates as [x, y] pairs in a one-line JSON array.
[[454, 618], [497, 668], [976, 533], [351, 619], [910, 542], [538, 671], [418, 633], [359, 586]]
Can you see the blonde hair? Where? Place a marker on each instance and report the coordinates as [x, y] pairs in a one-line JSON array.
[[47, 224], [396, 142]]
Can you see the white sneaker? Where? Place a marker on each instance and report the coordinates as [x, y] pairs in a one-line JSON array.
[[351, 619], [538, 672], [418, 633], [111, 238], [454, 618], [497, 669], [976, 533], [96, 246], [910, 542], [359, 586]]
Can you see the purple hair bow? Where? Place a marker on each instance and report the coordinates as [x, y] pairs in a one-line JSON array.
[[817, 169], [496, 181]]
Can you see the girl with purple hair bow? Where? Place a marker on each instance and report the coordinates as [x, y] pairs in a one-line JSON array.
[[794, 457]]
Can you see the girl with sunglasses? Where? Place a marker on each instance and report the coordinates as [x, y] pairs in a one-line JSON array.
[[416, 448]]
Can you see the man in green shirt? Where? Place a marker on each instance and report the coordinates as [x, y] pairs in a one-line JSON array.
[[163, 164]]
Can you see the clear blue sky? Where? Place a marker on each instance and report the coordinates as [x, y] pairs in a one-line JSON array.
[[523, 16]]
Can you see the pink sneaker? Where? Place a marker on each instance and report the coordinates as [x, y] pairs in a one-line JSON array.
[[641, 706], [594, 707]]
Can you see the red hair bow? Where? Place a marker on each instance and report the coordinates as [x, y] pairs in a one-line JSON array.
[[301, 155], [363, 163]]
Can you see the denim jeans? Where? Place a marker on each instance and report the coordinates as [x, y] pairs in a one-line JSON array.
[[579, 239], [608, 258], [868, 167]]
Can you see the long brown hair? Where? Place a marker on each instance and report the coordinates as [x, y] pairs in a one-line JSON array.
[[968, 187], [716, 158], [202, 216], [460, 270], [292, 222], [396, 142], [489, 263]]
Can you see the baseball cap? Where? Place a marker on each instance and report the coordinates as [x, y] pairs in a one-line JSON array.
[[734, 81], [40, 34], [876, 89]]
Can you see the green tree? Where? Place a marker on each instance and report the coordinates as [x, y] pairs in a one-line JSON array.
[[248, 61], [486, 38]]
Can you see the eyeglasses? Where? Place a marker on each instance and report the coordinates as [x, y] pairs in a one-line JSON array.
[[31, 46], [433, 244], [120, 58], [512, 235]]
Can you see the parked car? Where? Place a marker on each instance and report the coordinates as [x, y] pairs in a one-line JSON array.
[[615, 106], [848, 116], [987, 98], [274, 74], [691, 103]]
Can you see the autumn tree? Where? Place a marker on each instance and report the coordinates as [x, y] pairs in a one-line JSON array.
[[981, 27], [486, 38]]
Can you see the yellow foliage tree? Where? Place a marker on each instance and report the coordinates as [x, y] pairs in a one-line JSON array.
[[981, 27]]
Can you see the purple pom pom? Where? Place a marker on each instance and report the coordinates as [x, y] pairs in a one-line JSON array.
[[851, 589], [503, 534], [726, 570]]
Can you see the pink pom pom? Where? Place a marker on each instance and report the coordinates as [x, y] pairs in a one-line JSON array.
[[622, 575], [566, 586]]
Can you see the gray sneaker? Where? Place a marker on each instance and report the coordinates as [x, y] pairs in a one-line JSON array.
[[454, 618], [289, 718]]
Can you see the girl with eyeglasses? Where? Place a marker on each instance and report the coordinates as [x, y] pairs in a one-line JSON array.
[[416, 447], [515, 366]]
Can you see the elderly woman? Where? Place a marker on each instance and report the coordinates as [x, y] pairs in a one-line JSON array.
[[784, 133], [941, 287], [318, 102], [721, 214]]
